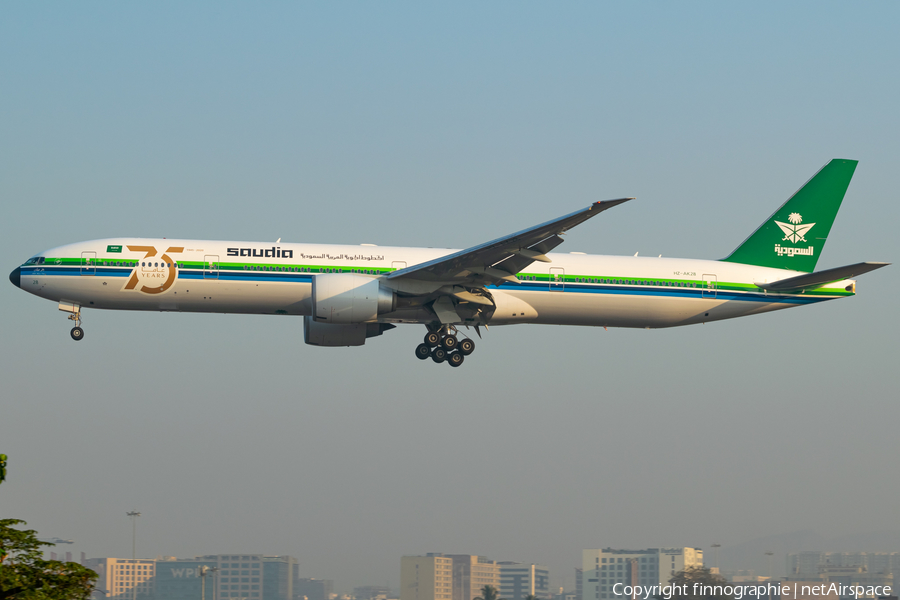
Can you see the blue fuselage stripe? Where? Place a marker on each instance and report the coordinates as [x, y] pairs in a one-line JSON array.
[[531, 286]]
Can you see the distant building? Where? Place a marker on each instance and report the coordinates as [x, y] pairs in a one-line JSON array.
[[236, 577], [471, 573], [428, 577], [231, 577], [579, 584], [812, 563], [123, 578], [179, 579], [313, 589], [845, 576], [603, 569], [249, 577], [844, 568], [278, 577], [519, 580]]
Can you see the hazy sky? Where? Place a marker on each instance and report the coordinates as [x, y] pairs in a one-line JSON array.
[[446, 125]]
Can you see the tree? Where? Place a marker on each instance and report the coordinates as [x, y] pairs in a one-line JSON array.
[[489, 592], [702, 577], [25, 575]]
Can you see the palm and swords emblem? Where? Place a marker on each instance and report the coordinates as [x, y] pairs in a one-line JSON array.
[[794, 231]]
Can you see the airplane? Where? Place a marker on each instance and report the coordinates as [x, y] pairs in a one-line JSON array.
[[349, 293]]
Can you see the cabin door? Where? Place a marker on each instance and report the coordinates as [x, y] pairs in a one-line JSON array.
[[709, 286], [557, 279], [88, 263], [211, 266]]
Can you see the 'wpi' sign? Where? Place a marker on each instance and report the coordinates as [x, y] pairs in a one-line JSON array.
[[184, 573]]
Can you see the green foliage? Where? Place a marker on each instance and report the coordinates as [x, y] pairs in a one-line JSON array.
[[489, 592], [2, 468], [25, 575], [702, 576]]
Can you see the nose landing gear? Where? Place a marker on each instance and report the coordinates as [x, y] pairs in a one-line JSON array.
[[442, 345], [74, 311]]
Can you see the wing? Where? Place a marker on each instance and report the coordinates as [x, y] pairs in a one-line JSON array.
[[500, 259]]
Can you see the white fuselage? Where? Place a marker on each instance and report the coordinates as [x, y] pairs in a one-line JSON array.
[[260, 278]]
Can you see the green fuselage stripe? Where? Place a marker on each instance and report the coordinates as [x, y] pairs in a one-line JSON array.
[[720, 286]]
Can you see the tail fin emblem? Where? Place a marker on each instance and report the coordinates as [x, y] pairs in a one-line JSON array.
[[794, 231]]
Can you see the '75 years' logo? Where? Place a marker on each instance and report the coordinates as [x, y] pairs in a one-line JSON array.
[[153, 274]]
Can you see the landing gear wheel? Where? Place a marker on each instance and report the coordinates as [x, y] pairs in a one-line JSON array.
[[438, 355], [455, 359], [423, 351], [449, 342], [466, 347], [77, 334], [432, 339]]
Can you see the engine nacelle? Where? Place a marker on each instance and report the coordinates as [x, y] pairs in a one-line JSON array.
[[329, 334], [345, 298]]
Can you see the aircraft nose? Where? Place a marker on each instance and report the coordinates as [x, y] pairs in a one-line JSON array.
[[16, 277]]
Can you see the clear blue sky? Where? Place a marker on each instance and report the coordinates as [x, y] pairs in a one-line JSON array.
[[446, 125]]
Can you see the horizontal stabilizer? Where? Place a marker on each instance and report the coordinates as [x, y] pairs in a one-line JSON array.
[[819, 278]]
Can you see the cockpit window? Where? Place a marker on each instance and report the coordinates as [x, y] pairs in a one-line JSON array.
[[35, 260]]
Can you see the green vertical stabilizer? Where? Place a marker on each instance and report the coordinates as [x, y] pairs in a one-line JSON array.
[[794, 236]]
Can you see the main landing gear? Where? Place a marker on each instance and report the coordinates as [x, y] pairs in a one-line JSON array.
[[74, 311], [441, 344]]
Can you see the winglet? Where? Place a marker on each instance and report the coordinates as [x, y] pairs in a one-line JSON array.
[[610, 203]]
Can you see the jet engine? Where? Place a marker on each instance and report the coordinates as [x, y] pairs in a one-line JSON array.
[[345, 298]]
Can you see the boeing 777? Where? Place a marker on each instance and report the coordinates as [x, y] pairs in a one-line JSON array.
[[347, 294]]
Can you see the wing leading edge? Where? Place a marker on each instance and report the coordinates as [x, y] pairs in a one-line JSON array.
[[501, 259]]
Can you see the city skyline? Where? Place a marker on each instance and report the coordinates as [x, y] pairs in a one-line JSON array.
[[796, 566], [454, 576]]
